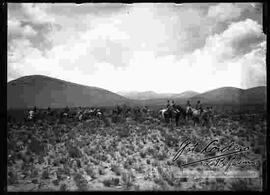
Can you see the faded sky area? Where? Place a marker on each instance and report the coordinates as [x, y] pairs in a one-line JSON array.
[[161, 47]]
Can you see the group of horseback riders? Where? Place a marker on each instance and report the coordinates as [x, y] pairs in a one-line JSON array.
[[172, 105], [175, 111], [80, 114], [172, 111]]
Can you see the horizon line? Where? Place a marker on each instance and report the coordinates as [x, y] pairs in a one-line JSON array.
[[137, 91]]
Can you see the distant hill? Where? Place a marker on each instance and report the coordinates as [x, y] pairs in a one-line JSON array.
[[231, 95], [44, 91], [256, 95], [139, 95], [153, 95], [222, 96], [186, 94]]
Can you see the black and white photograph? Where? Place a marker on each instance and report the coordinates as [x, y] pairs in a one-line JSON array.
[[136, 97]]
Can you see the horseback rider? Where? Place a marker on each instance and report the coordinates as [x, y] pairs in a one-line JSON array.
[[188, 105], [31, 114], [173, 105], [66, 109], [199, 106], [168, 104]]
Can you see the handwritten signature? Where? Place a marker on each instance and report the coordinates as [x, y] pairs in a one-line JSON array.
[[227, 155]]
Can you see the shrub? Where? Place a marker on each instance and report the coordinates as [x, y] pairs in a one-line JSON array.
[[66, 170], [101, 171], [161, 155], [116, 169], [170, 140], [36, 146], [63, 187], [111, 182], [163, 185], [56, 162], [45, 174], [34, 181], [127, 179], [80, 182], [74, 152], [107, 122], [241, 185], [118, 119], [34, 173], [63, 160], [59, 173], [55, 182], [78, 163], [12, 178], [92, 172], [123, 132], [142, 154]]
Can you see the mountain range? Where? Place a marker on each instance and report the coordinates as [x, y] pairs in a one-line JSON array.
[[43, 91], [153, 95]]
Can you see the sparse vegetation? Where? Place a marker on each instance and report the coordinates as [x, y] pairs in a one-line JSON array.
[[125, 153]]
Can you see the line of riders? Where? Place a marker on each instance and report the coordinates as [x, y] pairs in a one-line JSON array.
[[80, 113], [197, 114], [172, 111]]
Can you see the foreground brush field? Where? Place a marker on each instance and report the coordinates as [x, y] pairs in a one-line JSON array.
[[128, 153]]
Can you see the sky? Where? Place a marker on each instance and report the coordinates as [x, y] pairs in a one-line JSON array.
[[161, 47]]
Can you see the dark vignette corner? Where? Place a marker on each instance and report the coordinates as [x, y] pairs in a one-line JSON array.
[[265, 30], [3, 87]]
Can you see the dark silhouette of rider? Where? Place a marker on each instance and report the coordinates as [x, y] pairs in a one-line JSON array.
[[188, 106], [198, 105], [168, 104], [66, 109], [173, 105]]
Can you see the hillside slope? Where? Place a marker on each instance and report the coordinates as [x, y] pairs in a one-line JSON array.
[[231, 95], [43, 91]]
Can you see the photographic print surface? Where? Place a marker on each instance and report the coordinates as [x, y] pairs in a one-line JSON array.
[[140, 97]]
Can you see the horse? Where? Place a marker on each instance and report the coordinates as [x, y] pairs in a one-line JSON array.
[[201, 116], [177, 113], [188, 113], [196, 115], [166, 114], [162, 113], [207, 116]]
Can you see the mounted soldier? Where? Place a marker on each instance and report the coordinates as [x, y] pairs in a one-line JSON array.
[[199, 106], [188, 110], [48, 110], [65, 112], [168, 104], [31, 114]]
